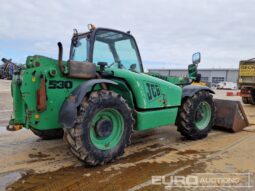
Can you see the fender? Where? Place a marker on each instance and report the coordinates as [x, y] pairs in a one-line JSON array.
[[68, 111], [190, 90]]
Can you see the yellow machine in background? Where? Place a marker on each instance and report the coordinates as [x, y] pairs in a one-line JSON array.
[[199, 83], [246, 81]]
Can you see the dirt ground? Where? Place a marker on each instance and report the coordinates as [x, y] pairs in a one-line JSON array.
[[29, 163]]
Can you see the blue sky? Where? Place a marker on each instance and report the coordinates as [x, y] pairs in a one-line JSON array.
[[167, 32]]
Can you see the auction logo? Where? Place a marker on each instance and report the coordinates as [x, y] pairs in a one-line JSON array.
[[216, 180]]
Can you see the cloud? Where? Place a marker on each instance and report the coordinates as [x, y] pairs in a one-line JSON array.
[[167, 32]]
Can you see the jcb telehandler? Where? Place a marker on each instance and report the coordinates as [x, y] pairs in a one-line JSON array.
[[101, 95]]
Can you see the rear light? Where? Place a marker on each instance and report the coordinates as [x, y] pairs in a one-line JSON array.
[[41, 95]]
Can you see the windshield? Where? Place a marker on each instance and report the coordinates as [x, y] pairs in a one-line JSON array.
[[79, 50], [117, 50]]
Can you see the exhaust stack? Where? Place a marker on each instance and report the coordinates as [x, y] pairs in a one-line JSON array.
[[60, 57]]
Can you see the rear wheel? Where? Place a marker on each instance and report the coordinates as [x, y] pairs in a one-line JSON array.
[[48, 134], [103, 129], [196, 116]]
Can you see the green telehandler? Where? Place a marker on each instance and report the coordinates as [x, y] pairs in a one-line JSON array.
[[97, 98]]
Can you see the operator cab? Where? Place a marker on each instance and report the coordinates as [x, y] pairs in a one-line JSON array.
[[107, 48]]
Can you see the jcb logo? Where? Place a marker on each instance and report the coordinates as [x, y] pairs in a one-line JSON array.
[[152, 90]]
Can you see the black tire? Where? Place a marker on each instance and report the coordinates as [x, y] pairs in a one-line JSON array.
[[187, 116], [78, 137], [245, 100], [49, 134]]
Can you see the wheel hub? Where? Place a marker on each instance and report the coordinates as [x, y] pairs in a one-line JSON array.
[[199, 115], [106, 128], [103, 128], [203, 115]]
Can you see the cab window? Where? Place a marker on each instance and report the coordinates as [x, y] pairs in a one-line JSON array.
[[117, 50], [79, 50], [102, 52], [127, 54]]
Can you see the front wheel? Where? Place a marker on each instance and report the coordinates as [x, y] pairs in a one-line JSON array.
[[196, 116]]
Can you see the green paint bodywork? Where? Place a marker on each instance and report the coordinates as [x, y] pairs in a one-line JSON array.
[[134, 87], [138, 83], [18, 116], [151, 119], [25, 98], [177, 80]]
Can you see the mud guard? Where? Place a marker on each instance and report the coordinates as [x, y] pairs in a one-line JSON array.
[[190, 90], [68, 111]]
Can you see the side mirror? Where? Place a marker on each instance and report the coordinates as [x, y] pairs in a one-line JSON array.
[[196, 58]]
